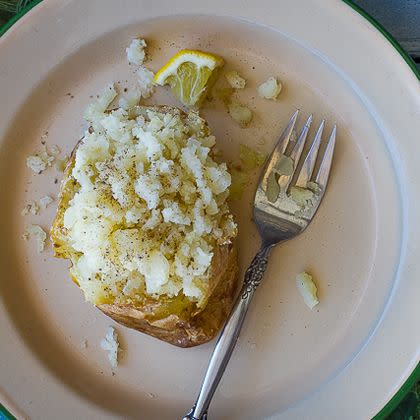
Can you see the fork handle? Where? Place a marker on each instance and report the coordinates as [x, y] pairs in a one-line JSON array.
[[229, 336]]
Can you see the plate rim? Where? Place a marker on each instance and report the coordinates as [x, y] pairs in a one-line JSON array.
[[415, 374]]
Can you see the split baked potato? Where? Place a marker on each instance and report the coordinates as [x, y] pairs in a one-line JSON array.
[[180, 312]]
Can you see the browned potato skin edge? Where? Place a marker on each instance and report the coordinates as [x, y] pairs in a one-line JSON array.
[[204, 325]]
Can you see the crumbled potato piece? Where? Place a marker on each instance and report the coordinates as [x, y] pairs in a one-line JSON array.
[[307, 289], [131, 99], [235, 80], [111, 344], [301, 196], [240, 113], [40, 161], [305, 197], [270, 89], [35, 163], [55, 150], [135, 51], [38, 234], [145, 81], [95, 110], [31, 207]]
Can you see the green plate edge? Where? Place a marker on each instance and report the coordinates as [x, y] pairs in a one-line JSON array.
[[386, 34], [5, 415], [399, 396], [18, 15], [415, 375]]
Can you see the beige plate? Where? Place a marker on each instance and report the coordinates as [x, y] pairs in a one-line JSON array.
[[345, 358]]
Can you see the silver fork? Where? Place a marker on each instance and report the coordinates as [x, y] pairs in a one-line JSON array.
[[276, 222]]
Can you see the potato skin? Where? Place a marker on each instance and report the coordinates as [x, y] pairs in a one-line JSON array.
[[200, 324]]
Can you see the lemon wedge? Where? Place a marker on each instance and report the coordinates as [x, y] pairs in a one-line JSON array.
[[190, 73]]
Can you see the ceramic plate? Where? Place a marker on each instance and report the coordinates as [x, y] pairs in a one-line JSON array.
[[347, 357]]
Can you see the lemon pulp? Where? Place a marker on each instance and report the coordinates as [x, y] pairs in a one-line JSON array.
[[190, 74]]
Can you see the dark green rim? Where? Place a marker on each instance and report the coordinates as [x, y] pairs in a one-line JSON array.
[[5, 415], [415, 375], [399, 396], [387, 35], [18, 15]]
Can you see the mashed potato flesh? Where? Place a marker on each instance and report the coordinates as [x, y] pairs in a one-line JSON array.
[[150, 207]]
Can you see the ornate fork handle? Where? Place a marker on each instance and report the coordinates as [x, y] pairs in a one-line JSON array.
[[229, 336], [255, 272]]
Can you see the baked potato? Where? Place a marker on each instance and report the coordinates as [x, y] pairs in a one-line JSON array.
[[183, 313]]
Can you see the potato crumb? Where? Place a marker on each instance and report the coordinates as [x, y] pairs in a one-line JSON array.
[[235, 80], [45, 201], [131, 99], [302, 196], [240, 113], [36, 232], [110, 344], [31, 208], [135, 51], [40, 161], [35, 163], [145, 81], [95, 111], [270, 89], [136, 55], [307, 289], [84, 344], [55, 150]]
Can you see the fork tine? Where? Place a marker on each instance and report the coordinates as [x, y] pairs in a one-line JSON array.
[[285, 135], [310, 159], [297, 149], [324, 168], [279, 148], [284, 181]]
